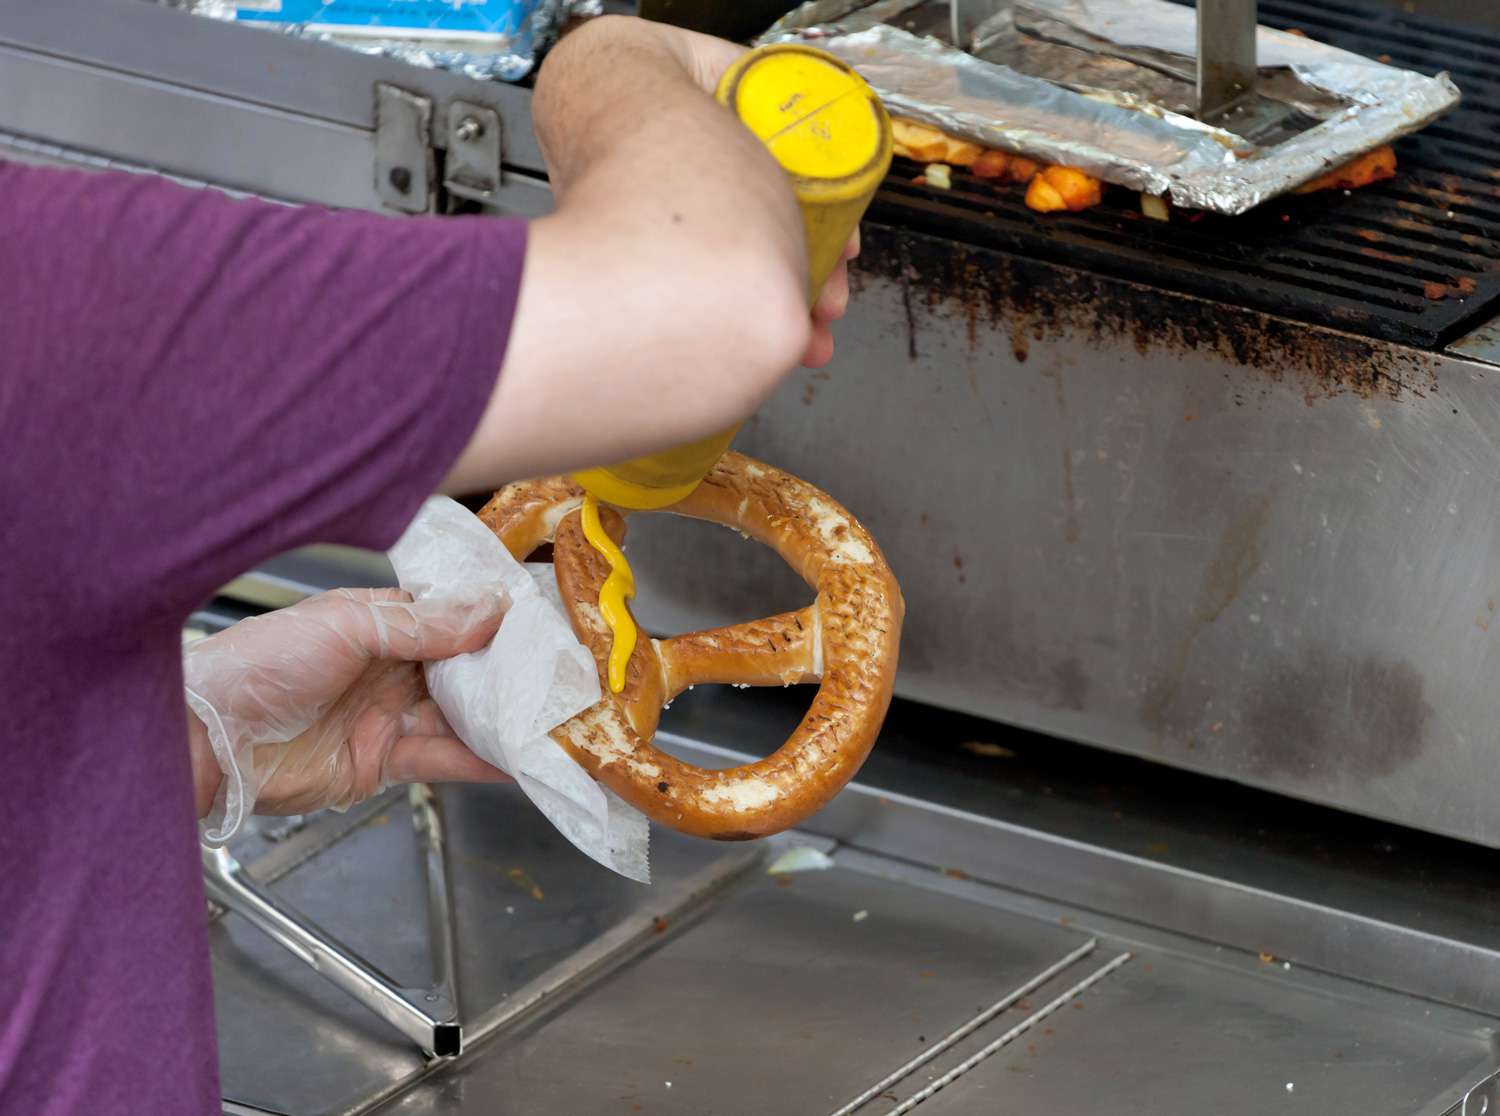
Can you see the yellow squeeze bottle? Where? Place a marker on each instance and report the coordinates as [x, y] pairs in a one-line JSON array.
[[829, 131]]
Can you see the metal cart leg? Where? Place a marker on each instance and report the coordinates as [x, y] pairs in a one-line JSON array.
[[427, 1016]]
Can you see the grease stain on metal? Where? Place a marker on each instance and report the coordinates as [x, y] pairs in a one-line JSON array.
[[1234, 563], [1070, 498], [1321, 715]]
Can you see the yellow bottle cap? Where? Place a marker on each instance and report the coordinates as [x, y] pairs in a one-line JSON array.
[[829, 132], [819, 118]]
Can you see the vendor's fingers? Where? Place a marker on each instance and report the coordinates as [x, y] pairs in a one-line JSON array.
[[708, 57], [438, 759], [851, 250], [820, 348], [432, 628], [425, 719], [373, 593], [833, 301]]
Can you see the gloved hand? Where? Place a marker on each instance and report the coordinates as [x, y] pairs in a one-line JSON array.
[[323, 704]]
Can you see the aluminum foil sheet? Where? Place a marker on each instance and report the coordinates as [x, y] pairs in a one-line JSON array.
[[1107, 86], [498, 57]]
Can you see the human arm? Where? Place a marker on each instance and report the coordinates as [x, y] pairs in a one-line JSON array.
[[665, 297], [237, 378]]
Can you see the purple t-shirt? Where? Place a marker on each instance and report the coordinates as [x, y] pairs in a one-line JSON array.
[[188, 385]]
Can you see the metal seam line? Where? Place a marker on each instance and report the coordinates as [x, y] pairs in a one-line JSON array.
[[968, 1028], [79, 158], [809, 114], [1010, 1036]]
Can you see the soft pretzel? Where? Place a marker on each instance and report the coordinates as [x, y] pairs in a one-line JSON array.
[[846, 640]]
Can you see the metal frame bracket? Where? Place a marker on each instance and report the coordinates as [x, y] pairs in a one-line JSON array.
[[1226, 55], [1482, 1100], [472, 170], [405, 167], [428, 1015]]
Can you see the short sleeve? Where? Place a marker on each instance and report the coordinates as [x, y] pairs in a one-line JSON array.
[[195, 383]]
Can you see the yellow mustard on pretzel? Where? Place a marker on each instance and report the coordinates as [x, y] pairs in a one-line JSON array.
[[619, 587]]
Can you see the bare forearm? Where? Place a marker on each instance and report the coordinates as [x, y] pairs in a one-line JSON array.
[[623, 110]]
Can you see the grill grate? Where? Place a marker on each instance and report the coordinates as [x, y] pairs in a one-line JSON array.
[[1414, 260]]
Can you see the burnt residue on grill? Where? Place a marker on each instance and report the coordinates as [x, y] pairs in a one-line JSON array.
[[1031, 300], [1414, 260]]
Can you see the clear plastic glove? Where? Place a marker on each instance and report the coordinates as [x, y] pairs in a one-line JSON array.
[[323, 704]]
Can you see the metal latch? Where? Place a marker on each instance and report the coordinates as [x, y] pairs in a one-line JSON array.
[[404, 163], [405, 159], [473, 167]]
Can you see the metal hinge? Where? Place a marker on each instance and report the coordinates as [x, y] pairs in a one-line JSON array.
[[404, 159], [406, 151], [473, 167]]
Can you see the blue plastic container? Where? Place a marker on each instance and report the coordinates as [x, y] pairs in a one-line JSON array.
[[445, 17]]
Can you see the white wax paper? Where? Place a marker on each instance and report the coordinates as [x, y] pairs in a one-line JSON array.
[[503, 699]]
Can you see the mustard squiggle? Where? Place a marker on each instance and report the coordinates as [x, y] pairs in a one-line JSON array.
[[618, 588]]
